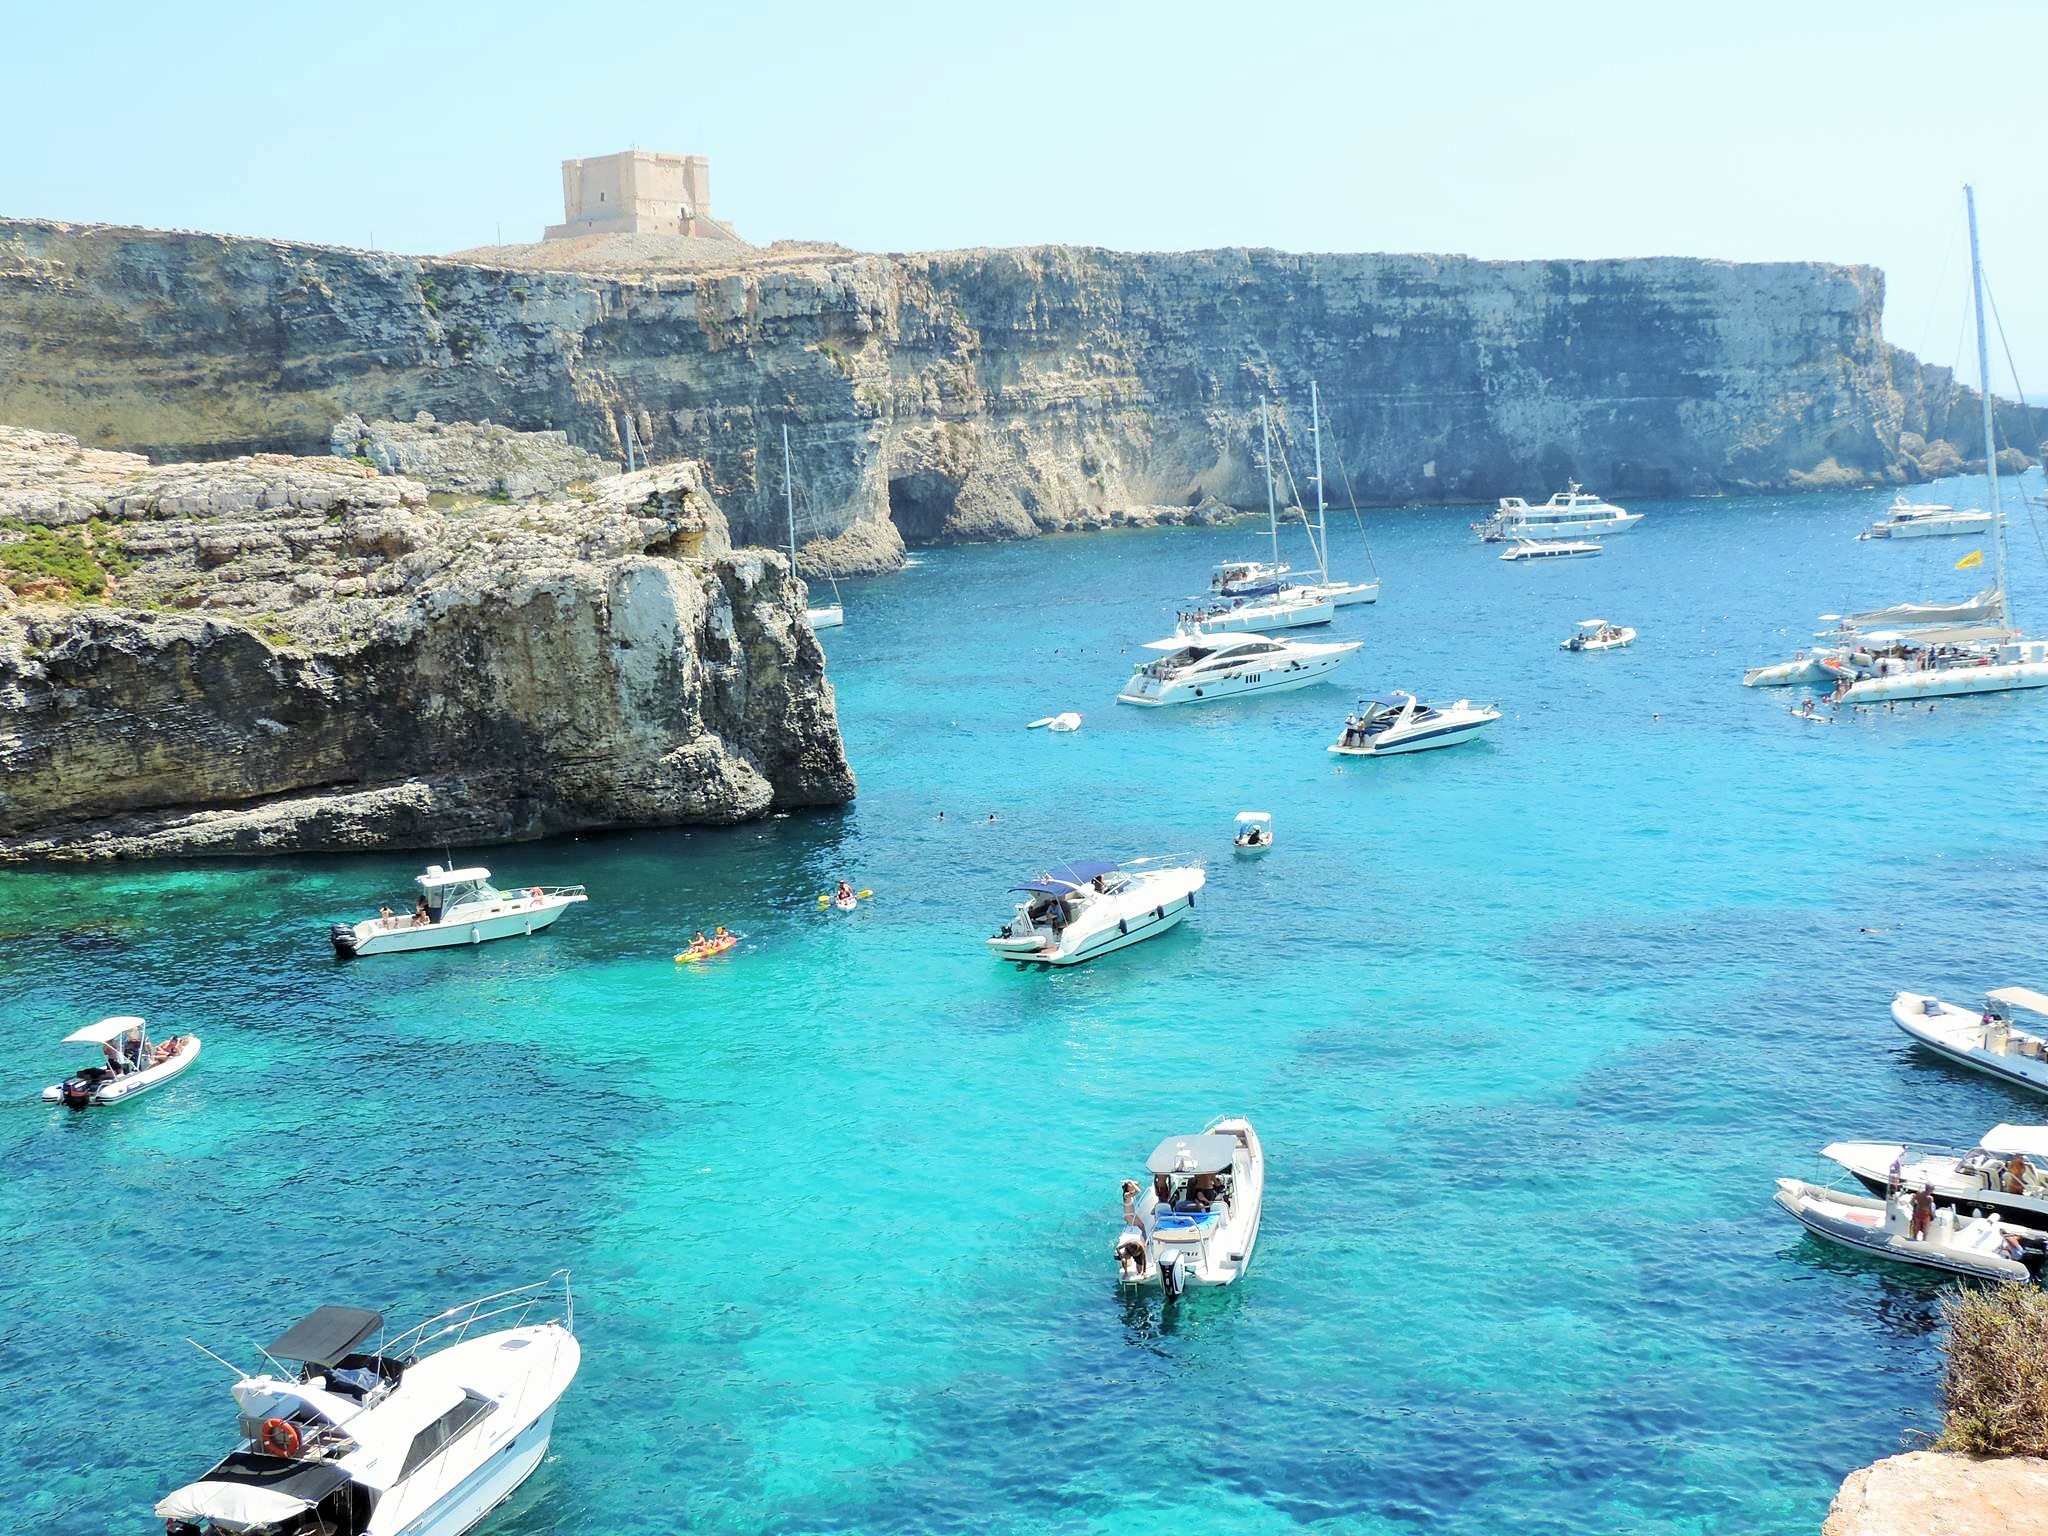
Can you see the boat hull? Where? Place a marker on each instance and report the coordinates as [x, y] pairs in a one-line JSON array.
[[1833, 1216], [376, 937], [1949, 682], [825, 618], [1449, 735], [1581, 528], [1929, 528], [1262, 619], [490, 1485], [135, 1084], [1869, 1163]]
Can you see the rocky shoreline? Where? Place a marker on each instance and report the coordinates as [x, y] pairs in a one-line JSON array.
[[285, 654], [1933, 1493], [991, 393]]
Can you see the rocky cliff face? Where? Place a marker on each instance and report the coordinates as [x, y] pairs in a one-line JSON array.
[[986, 393], [277, 653], [1929, 1493]]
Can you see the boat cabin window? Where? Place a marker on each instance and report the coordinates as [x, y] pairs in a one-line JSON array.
[[428, 1442]]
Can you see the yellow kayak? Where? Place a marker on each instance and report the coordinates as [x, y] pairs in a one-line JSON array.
[[707, 949]]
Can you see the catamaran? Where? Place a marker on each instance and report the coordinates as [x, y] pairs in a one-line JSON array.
[[1920, 651], [829, 615]]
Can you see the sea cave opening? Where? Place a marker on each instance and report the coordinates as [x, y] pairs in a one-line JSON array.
[[921, 505]]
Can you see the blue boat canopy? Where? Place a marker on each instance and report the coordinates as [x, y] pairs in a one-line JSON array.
[[1071, 876]]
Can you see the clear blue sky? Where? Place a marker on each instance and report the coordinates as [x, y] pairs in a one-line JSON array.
[[1796, 129]]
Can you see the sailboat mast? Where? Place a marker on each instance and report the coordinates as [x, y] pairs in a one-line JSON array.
[[1322, 535], [789, 498], [1272, 508], [1990, 427]]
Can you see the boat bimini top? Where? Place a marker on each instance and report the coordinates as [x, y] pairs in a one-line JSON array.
[[105, 1030], [1209, 1152], [2025, 999], [1254, 818], [325, 1336], [1065, 879], [2017, 1140]]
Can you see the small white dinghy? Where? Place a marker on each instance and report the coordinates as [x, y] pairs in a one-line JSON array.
[[1198, 1222], [1254, 831], [456, 906], [132, 1065], [1066, 720], [1598, 635], [1983, 1247]]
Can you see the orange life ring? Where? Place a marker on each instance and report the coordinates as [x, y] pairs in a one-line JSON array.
[[280, 1437]]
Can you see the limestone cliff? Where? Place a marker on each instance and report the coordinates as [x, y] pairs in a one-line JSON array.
[[277, 654], [1929, 1493], [985, 393]]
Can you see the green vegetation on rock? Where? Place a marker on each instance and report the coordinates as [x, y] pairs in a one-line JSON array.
[[39, 561], [1994, 1395]]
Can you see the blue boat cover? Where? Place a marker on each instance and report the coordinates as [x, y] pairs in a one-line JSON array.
[[1062, 878]]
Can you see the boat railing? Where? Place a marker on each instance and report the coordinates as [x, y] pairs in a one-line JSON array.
[[1159, 861], [550, 1297]]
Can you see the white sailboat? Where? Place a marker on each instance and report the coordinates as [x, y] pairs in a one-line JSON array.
[[1915, 651], [832, 615], [1344, 594]]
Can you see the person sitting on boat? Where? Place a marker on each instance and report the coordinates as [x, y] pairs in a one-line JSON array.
[[698, 941], [2009, 1246], [1204, 1190], [720, 934], [844, 893], [421, 914], [124, 1051], [2016, 1175], [166, 1051], [1923, 1213]]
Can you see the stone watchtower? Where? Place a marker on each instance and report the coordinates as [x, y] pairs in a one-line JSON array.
[[637, 192]]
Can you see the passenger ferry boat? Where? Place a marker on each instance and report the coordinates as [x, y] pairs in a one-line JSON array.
[[1203, 669], [1570, 514], [421, 1436]]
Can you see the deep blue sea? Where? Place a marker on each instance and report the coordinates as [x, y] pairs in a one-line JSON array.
[[1527, 1027]]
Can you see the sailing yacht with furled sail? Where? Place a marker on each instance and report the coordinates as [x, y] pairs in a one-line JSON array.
[[1914, 651], [831, 615], [1344, 594]]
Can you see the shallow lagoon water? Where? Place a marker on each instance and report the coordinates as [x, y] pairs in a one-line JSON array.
[[1527, 1028]]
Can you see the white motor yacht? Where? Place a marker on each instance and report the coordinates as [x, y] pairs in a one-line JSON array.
[[1292, 609], [2006, 1173], [1988, 1040], [1560, 549], [1598, 635], [1400, 722], [1089, 907], [1203, 669], [1924, 520], [422, 1436], [1254, 832], [456, 906], [131, 1064], [1983, 1247], [1198, 1220], [1573, 513]]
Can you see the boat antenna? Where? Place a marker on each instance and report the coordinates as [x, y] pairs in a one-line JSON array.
[[1320, 538], [789, 498], [1272, 510], [1990, 426]]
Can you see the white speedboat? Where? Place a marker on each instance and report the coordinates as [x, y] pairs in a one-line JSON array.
[[1924, 520], [1197, 1222], [1089, 907], [1988, 1040], [1802, 669], [1204, 669], [1291, 609], [1248, 578], [1560, 549], [1598, 635], [130, 1065], [456, 906], [1983, 1247], [1254, 831], [422, 1436], [1400, 722], [2006, 1173], [1573, 513]]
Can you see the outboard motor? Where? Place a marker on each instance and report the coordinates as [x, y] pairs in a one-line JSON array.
[[1173, 1278], [344, 938], [75, 1092]]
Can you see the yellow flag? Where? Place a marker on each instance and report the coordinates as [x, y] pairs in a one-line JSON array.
[[1970, 561]]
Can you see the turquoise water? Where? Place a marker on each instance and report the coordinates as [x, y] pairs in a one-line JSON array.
[[1527, 1028]]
